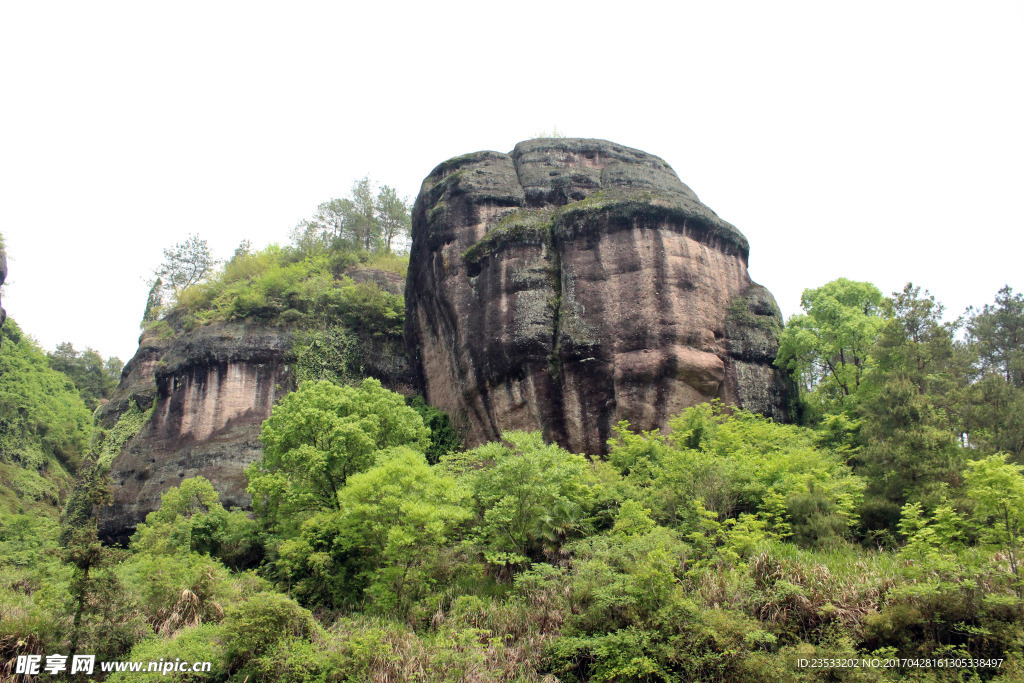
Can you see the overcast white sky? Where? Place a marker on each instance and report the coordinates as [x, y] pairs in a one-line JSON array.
[[878, 141]]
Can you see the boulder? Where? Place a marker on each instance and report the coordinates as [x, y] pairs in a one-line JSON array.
[[574, 283]]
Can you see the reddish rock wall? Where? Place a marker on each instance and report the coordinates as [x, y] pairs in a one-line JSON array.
[[575, 283]]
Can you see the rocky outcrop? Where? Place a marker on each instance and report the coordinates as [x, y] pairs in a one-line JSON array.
[[210, 390], [575, 283], [3, 276]]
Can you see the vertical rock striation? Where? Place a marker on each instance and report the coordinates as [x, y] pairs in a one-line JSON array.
[[575, 283], [209, 390], [3, 276]]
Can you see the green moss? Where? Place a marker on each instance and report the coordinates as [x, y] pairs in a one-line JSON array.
[[526, 226], [624, 208], [437, 214], [128, 425], [455, 163], [739, 313], [158, 330], [617, 205]]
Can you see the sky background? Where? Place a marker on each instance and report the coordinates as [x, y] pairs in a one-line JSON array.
[[877, 141]]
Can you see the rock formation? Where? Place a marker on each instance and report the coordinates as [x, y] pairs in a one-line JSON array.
[[575, 283], [210, 389], [3, 276]]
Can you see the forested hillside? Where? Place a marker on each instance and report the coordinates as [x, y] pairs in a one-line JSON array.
[[886, 525]]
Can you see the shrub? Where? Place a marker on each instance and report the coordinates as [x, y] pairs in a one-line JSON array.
[[189, 646], [251, 629]]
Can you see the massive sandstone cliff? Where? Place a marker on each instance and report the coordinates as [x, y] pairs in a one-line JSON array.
[[575, 283], [210, 389]]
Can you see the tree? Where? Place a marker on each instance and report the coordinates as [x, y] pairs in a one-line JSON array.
[[94, 378], [154, 302], [828, 346], [531, 497], [997, 488], [915, 343], [185, 264], [362, 221], [997, 333], [395, 515], [326, 229], [392, 214], [103, 622], [995, 400], [735, 462], [909, 423], [191, 519], [319, 436]]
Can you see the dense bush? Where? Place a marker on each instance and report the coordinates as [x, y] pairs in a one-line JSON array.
[[44, 425]]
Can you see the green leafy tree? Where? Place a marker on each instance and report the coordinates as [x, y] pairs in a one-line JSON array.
[[102, 622], [327, 228], [994, 403], [910, 419], [828, 346], [319, 436], [993, 412], [916, 344], [191, 519], [94, 377], [997, 489], [444, 438], [396, 515], [734, 463], [393, 217], [362, 221], [153, 302], [910, 454], [531, 497]]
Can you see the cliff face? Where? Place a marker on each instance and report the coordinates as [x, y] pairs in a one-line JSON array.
[[3, 276], [575, 283], [210, 389]]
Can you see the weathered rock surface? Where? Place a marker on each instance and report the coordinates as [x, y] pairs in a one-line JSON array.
[[575, 283], [212, 388], [3, 276]]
